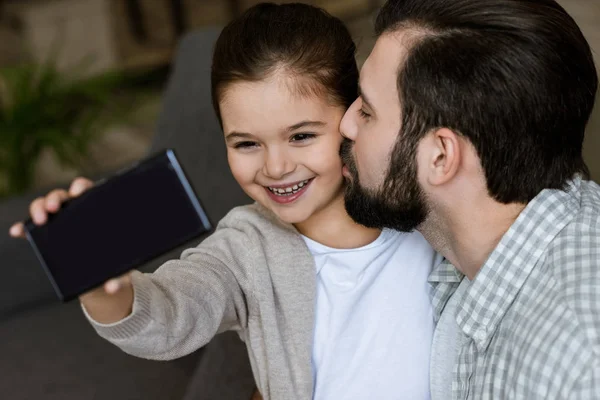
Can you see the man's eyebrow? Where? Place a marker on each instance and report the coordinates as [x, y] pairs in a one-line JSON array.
[[304, 124], [364, 98], [237, 135]]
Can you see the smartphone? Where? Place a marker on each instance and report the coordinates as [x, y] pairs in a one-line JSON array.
[[118, 225]]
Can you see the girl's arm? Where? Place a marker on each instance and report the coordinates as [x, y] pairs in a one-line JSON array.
[[184, 304]]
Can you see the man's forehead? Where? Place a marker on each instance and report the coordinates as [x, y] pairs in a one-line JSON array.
[[394, 47], [381, 67]]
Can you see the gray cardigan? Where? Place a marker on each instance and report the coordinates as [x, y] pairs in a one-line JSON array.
[[254, 275]]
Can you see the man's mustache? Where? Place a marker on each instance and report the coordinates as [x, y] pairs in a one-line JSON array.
[[348, 158], [346, 152]]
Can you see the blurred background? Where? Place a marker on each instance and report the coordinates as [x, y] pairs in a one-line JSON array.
[[83, 78]]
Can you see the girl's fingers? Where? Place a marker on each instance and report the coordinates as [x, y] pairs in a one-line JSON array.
[[17, 230], [79, 185], [54, 199], [37, 210], [114, 285]]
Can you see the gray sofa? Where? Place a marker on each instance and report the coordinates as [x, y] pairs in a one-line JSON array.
[[50, 352]]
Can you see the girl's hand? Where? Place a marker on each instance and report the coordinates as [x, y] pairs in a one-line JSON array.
[[117, 290]]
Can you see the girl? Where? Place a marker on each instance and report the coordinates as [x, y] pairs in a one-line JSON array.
[[328, 309]]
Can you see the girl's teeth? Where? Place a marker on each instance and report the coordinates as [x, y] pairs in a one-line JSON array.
[[289, 190]]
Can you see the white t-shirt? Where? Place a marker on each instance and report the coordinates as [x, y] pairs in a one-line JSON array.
[[374, 322]]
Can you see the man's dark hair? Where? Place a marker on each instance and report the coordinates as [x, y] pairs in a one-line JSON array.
[[515, 77]]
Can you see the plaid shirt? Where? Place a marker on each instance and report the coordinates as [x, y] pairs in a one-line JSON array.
[[531, 316]]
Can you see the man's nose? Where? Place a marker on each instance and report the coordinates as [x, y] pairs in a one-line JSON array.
[[348, 126]]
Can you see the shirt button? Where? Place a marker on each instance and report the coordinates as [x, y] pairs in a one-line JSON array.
[[479, 335]]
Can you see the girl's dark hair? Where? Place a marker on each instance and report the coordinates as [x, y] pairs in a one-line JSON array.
[[305, 41]]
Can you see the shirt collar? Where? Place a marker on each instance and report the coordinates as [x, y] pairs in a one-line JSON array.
[[502, 276], [444, 279]]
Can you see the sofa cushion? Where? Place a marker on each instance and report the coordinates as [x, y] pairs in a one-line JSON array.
[[53, 353], [188, 124]]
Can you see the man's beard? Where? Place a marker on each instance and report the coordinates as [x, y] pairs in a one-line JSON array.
[[400, 202]]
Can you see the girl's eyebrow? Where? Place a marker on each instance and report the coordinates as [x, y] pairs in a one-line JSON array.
[[231, 136], [304, 124], [237, 135]]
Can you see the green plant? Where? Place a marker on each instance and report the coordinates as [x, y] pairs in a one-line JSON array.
[[42, 108]]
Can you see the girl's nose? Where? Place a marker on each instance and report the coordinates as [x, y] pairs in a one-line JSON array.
[[277, 164]]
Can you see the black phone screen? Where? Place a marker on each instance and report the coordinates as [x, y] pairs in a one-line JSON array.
[[118, 225]]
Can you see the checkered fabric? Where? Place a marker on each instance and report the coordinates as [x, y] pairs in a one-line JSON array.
[[531, 316]]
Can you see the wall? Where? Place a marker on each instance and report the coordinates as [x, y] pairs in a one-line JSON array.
[[587, 15]]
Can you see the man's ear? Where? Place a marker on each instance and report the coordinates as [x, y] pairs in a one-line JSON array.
[[443, 156]]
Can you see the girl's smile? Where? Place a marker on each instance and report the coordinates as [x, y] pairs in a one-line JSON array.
[[288, 193]]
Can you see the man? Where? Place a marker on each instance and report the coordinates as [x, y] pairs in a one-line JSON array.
[[469, 128]]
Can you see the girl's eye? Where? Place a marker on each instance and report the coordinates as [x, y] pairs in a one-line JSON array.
[[245, 145], [302, 137], [363, 114]]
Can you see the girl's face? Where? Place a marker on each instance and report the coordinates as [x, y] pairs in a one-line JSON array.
[[283, 149]]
